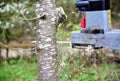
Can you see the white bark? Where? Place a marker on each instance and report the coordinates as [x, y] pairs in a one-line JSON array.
[[46, 37]]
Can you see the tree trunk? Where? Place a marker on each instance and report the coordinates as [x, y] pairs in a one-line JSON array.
[[0, 56], [7, 54], [46, 40]]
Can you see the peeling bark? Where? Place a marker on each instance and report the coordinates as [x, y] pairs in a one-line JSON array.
[[46, 40]]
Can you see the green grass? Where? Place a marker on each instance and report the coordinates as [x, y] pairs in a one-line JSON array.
[[102, 73], [72, 68], [19, 70]]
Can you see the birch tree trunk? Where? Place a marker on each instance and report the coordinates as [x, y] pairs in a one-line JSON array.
[[46, 38]]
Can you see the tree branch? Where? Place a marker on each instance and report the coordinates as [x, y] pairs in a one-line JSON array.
[[39, 17], [22, 14], [28, 23]]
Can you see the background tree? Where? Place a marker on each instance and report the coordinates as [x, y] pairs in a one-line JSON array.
[[12, 15]]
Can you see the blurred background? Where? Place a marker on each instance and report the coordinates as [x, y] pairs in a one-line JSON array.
[[18, 60]]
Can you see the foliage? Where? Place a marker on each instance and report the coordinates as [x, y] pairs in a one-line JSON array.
[[73, 69], [19, 70], [76, 68], [5, 35], [64, 33], [115, 6], [12, 19]]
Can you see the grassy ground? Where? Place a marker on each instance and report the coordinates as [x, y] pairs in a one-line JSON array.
[[76, 68], [19, 70], [70, 69]]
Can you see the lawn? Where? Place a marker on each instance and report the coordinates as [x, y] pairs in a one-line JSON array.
[[19, 70], [25, 69]]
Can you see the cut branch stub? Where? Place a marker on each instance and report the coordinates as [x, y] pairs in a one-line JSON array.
[[61, 16]]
